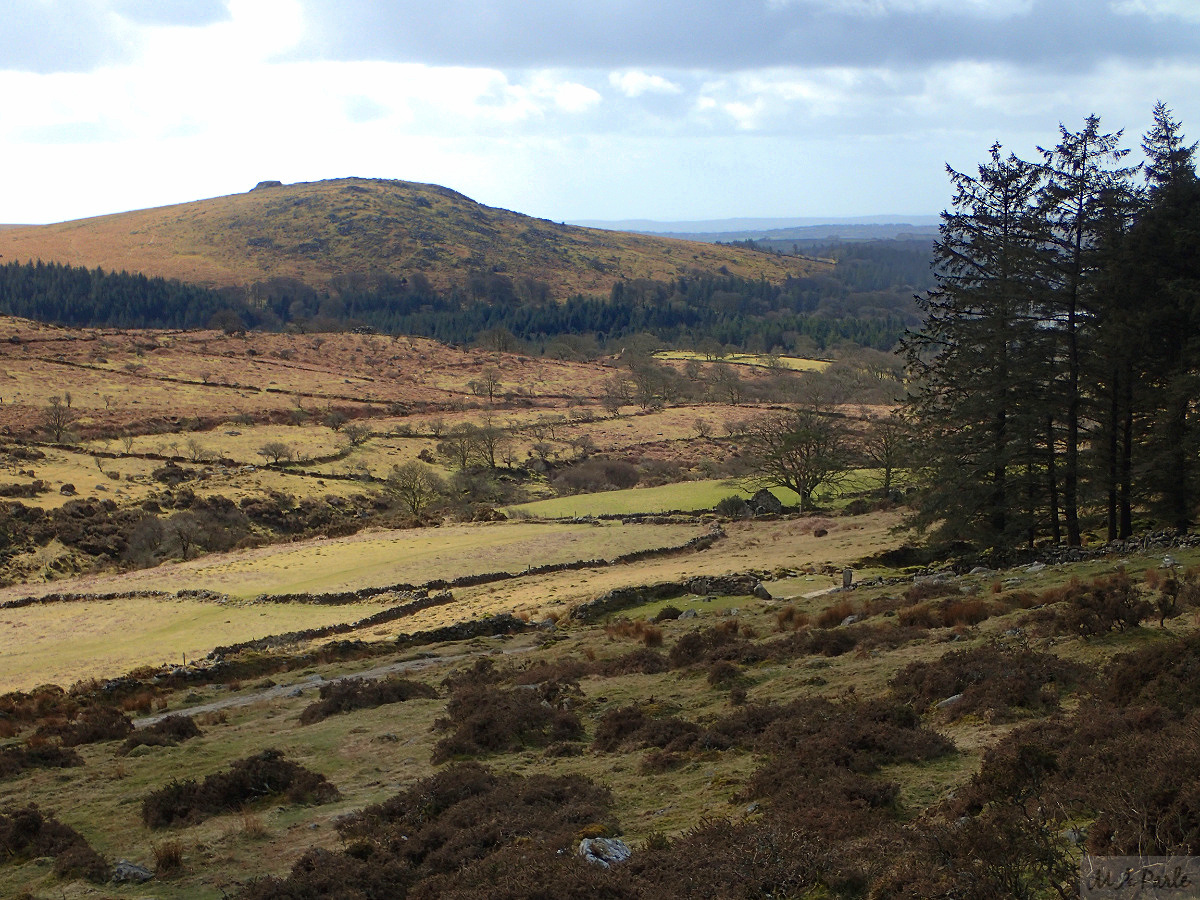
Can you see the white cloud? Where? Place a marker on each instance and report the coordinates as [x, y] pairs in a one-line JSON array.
[[1159, 9], [635, 84], [991, 9]]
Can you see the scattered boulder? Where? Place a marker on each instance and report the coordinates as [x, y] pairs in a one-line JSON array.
[[604, 852], [765, 503], [125, 872]]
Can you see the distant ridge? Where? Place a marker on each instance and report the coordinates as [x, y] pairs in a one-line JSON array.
[[354, 227], [756, 225]]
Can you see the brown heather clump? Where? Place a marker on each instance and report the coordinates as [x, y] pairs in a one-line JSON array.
[[348, 694], [166, 732], [28, 833], [790, 619], [484, 718], [266, 774], [36, 754], [997, 683], [93, 725]]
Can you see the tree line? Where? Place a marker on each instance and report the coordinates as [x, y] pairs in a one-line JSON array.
[[1055, 378], [799, 315]]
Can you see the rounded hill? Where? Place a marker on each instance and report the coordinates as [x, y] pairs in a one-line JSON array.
[[319, 231]]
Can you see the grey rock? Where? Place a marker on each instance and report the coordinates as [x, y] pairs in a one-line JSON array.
[[125, 872], [849, 620], [761, 592], [949, 701], [1036, 567], [688, 614], [604, 852]]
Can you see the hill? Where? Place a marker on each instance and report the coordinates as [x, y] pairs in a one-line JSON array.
[[321, 231]]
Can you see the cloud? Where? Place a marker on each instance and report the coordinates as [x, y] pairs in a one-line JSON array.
[[634, 83], [1159, 9], [732, 35], [176, 12]]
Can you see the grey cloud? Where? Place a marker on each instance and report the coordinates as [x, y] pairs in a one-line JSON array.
[[64, 36], [730, 34], [80, 35]]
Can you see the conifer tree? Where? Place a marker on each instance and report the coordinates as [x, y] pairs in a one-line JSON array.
[[1083, 182], [973, 360]]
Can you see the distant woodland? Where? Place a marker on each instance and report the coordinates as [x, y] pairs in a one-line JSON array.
[[867, 300]]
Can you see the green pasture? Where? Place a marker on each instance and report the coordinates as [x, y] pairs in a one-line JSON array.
[[381, 558], [684, 496], [759, 360]]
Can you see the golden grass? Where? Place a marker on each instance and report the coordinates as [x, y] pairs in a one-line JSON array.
[[393, 226], [66, 642]]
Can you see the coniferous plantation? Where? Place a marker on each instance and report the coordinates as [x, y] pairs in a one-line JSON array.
[[1056, 374], [870, 307]]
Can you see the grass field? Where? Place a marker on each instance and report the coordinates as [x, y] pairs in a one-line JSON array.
[[684, 496], [757, 360], [379, 558], [62, 643]]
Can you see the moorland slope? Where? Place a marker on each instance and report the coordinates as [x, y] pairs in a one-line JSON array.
[[315, 232]]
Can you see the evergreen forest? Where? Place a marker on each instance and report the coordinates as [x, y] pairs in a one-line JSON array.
[[866, 300], [1057, 373]]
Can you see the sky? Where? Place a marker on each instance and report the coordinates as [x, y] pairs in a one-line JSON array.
[[568, 110]]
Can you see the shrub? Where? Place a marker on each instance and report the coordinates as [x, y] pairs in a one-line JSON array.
[[1110, 603], [93, 725], [990, 680], [733, 507], [834, 615], [629, 726], [723, 674], [930, 589], [168, 857], [1165, 674], [638, 629], [14, 760], [266, 774], [637, 662], [27, 833], [347, 694], [919, 615], [789, 618], [165, 732], [483, 718]]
